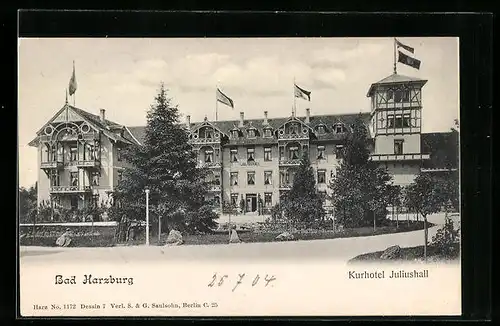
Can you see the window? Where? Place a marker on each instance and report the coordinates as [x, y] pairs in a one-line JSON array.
[[267, 154], [321, 176], [339, 150], [323, 196], [234, 200], [54, 179], [74, 202], [294, 153], [321, 152], [250, 155], [234, 155], [234, 133], [338, 128], [234, 178], [390, 121], [95, 178], [282, 152], [73, 179], [250, 178], [60, 154], [268, 132], [119, 176], [398, 147], [390, 94], [251, 133], [268, 177], [332, 174], [321, 130], [209, 156], [268, 199], [90, 155], [401, 96], [217, 179], [119, 154], [216, 200], [294, 129], [406, 121], [209, 133], [73, 150]]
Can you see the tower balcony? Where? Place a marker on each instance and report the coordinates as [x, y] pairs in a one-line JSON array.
[[70, 189], [399, 157]]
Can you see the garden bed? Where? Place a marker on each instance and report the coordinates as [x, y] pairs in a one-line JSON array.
[[434, 253]]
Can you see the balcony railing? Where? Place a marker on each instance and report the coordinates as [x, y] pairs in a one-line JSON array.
[[85, 163], [399, 157], [293, 136], [205, 141], [52, 165], [209, 165], [70, 189], [289, 161]]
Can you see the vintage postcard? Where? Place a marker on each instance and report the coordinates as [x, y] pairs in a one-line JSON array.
[[239, 177]]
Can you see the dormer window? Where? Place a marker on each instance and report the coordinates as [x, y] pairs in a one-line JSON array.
[[251, 133], [268, 132], [234, 134], [321, 129], [339, 128]]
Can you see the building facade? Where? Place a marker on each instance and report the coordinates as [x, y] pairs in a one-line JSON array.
[[253, 161]]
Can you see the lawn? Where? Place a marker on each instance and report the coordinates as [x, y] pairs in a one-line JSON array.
[[270, 236]]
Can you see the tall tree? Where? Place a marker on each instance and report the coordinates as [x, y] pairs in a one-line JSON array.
[[165, 164], [303, 204], [361, 189], [426, 196]]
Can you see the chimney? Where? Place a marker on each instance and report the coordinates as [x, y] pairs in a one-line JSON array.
[[188, 121], [265, 118], [103, 115], [308, 115], [242, 119]]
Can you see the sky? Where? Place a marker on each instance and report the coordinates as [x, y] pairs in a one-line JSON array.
[[122, 76]]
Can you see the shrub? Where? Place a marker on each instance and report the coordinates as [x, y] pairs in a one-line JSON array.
[[446, 238]]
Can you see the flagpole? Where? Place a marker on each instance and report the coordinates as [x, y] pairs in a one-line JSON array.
[[294, 99], [216, 102], [395, 71]]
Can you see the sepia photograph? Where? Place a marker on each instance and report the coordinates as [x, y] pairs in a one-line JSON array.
[[230, 176]]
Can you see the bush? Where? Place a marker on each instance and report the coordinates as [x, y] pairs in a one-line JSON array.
[[446, 238]]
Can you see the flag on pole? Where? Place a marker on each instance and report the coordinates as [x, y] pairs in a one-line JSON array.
[[72, 82], [223, 98], [409, 61], [406, 47], [302, 93]]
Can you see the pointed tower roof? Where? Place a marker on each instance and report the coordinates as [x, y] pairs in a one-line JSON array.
[[396, 79]]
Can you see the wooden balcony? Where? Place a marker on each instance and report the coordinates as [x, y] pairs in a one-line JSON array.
[[70, 189], [85, 163], [202, 141], [52, 165], [293, 136]]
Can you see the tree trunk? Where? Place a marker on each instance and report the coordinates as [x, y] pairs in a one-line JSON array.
[[374, 222], [159, 231], [397, 218], [425, 238]]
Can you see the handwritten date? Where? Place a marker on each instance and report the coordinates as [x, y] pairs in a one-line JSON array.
[[220, 280]]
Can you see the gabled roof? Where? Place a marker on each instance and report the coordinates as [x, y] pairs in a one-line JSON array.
[[396, 79], [208, 123], [107, 127]]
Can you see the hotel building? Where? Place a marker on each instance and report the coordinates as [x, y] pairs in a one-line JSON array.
[[253, 160]]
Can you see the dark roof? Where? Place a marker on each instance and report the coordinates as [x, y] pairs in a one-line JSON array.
[[443, 148], [228, 125], [396, 79], [95, 119]]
